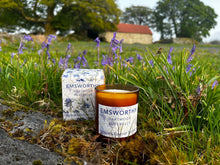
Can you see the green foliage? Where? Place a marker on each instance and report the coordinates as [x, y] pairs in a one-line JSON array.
[[138, 15], [189, 18], [48, 16], [86, 17]]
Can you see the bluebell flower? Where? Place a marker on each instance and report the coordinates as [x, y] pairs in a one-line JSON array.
[[198, 90], [12, 55], [50, 38], [43, 45], [68, 57], [115, 43], [97, 42], [61, 62], [151, 63], [84, 52], [47, 51], [107, 61], [69, 46], [215, 84], [54, 61], [84, 61], [120, 47], [189, 59], [193, 50], [28, 38], [188, 68], [169, 56], [130, 59], [114, 40], [114, 48], [139, 57]]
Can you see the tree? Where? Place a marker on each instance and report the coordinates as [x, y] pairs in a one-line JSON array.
[[88, 17], [186, 18], [50, 15], [138, 15]]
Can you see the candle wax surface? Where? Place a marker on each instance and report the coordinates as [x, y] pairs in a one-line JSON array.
[[116, 97]]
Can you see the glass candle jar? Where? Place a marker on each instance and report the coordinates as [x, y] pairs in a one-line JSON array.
[[116, 110]]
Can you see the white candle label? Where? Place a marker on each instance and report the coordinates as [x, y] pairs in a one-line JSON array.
[[117, 122]]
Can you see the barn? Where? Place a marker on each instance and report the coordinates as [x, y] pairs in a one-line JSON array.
[[131, 34]]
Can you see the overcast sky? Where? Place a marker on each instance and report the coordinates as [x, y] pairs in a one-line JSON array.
[[215, 4]]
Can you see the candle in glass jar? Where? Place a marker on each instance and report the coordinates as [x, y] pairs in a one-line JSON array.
[[116, 110]]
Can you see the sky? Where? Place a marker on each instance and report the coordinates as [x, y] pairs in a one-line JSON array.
[[215, 4]]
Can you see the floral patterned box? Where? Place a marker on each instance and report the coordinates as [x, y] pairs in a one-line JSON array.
[[78, 92]]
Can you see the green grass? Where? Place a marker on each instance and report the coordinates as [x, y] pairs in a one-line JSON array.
[[176, 124]]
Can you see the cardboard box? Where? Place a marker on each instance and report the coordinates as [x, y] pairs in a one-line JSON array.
[[78, 92]]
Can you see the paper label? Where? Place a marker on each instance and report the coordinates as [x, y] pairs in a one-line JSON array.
[[78, 92], [117, 122]]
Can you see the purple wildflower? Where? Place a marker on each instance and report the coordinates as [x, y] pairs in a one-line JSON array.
[[114, 49], [84, 61], [69, 46], [21, 47], [47, 52], [107, 61], [198, 90], [113, 39], [193, 50], [54, 61], [97, 41], [169, 56], [43, 45], [151, 63], [12, 55], [28, 38], [139, 57], [130, 59], [63, 63], [84, 52], [50, 38], [114, 43], [189, 59], [188, 68], [215, 84], [120, 47]]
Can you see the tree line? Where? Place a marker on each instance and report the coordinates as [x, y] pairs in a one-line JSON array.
[[179, 18]]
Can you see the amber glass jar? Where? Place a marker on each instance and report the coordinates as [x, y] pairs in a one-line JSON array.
[[116, 111]]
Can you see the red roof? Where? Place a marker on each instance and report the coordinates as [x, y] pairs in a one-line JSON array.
[[131, 28]]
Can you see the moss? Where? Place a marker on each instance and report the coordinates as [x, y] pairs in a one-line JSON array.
[[8, 113], [37, 162], [16, 118], [2, 119]]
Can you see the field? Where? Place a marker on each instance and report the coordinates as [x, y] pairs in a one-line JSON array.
[[179, 104]]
